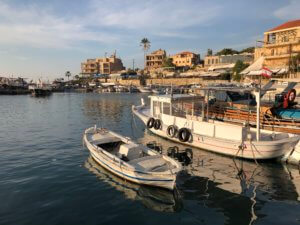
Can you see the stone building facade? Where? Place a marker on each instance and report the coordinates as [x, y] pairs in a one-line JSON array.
[[280, 44], [185, 59], [155, 59], [105, 65], [217, 60]]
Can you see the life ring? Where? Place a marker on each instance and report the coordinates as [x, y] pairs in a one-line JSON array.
[[184, 134], [289, 98], [172, 131], [150, 122], [157, 124]]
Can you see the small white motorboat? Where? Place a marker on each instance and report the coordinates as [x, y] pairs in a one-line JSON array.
[[129, 160]]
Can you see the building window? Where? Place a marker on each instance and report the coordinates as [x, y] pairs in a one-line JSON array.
[[208, 61], [272, 52], [212, 61], [285, 39], [217, 61], [271, 38]]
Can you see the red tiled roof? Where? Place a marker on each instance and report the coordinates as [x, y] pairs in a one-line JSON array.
[[289, 24], [185, 53]]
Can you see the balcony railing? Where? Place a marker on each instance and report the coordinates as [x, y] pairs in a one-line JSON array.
[[277, 42]]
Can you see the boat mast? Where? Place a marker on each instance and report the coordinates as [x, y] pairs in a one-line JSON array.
[[257, 98]]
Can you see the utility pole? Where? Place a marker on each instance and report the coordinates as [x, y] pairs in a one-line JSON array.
[[133, 64]]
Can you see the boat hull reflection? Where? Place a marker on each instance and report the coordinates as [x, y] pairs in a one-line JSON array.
[[153, 198]]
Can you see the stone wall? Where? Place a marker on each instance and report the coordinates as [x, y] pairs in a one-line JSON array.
[[174, 81], [162, 81]]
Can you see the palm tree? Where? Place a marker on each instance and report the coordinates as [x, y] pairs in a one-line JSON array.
[[145, 44], [68, 74]]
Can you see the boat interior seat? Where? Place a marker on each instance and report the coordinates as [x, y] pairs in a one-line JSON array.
[[112, 147], [130, 151], [149, 163]]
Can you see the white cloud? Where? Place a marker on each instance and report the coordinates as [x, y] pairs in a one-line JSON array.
[[41, 28], [290, 11], [154, 14], [111, 21]]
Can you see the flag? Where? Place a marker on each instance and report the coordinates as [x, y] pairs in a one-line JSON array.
[[266, 72]]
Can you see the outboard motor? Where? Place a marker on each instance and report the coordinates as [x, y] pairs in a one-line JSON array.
[[154, 146], [183, 156]]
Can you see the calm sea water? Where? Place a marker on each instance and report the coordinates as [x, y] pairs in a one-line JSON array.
[[47, 177]]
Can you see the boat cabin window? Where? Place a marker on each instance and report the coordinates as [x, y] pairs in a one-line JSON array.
[[156, 108], [178, 109], [166, 108]]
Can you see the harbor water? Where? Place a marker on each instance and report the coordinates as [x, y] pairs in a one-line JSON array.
[[48, 177]]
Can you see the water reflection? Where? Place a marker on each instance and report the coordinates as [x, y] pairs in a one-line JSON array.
[[242, 190], [103, 107], [153, 198]]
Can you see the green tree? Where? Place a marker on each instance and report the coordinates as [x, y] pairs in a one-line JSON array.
[[209, 52], [168, 62], [248, 50], [227, 51], [237, 69], [145, 44], [130, 71], [68, 74], [295, 63]]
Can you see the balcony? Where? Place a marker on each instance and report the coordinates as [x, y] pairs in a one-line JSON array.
[[278, 44]]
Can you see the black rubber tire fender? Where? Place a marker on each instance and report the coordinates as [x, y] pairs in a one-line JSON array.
[[184, 134], [157, 124], [172, 131], [150, 122]]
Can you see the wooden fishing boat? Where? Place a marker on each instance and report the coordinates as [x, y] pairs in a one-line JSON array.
[[129, 160], [168, 117]]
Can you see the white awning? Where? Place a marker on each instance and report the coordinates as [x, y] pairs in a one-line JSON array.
[[221, 67], [282, 71], [107, 84], [254, 73], [256, 66], [210, 74]]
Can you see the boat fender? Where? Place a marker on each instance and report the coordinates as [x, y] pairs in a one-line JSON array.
[[172, 131], [150, 122], [189, 153], [157, 124], [289, 98], [173, 151], [184, 134]]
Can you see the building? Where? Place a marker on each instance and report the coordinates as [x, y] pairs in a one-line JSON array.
[[219, 60], [106, 65], [185, 59], [280, 44], [155, 59]]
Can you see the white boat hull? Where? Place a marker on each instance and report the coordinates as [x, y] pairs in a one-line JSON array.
[[293, 157], [116, 166], [255, 150]]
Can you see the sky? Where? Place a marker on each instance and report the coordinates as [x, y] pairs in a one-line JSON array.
[[42, 38]]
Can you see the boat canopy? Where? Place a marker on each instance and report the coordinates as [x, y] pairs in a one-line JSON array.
[[174, 98]]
